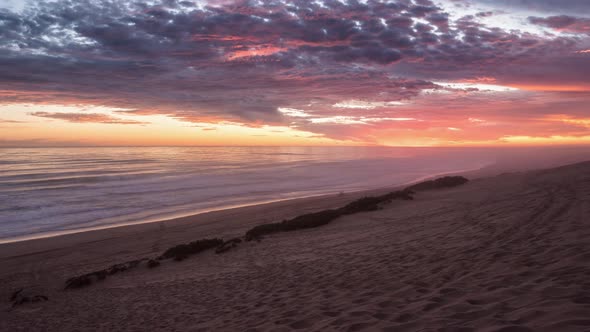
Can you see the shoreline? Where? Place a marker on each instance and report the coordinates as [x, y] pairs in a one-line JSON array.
[[194, 215], [498, 253]]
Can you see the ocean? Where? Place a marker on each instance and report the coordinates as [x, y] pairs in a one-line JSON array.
[[49, 191]]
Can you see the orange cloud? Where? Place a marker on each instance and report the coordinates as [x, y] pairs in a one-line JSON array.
[[481, 79], [262, 50], [552, 88], [546, 140], [582, 122], [258, 48]]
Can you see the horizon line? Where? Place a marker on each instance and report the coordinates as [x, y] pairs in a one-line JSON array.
[[296, 146]]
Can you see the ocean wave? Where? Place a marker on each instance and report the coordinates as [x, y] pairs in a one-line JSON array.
[[46, 190]]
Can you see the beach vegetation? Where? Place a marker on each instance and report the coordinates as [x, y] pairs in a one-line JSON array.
[[440, 183], [182, 251]]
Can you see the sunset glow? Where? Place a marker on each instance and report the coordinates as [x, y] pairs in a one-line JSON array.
[[395, 73]]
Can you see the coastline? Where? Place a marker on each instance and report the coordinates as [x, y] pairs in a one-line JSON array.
[[509, 161], [27, 244], [227, 222], [194, 216], [501, 253]]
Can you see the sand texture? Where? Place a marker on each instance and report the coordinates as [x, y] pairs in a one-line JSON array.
[[505, 253]]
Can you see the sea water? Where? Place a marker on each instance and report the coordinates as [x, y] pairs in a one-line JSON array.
[[48, 191]]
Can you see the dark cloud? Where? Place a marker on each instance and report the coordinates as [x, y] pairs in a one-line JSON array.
[[511, 57], [440, 20], [564, 23], [242, 60], [10, 121], [484, 14], [547, 6], [85, 118]]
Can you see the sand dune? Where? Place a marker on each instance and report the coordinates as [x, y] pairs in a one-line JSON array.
[[506, 253]]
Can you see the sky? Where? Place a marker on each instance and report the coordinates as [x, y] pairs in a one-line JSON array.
[[294, 72]]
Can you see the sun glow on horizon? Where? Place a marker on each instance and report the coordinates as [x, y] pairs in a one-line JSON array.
[[59, 125], [70, 125]]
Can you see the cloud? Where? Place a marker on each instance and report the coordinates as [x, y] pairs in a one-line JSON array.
[[355, 120], [541, 6], [85, 118], [37, 142], [485, 14], [10, 121], [294, 112], [278, 62], [564, 23], [367, 105]]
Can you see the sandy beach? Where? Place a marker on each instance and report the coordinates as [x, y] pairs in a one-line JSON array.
[[504, 253], [290, 165]]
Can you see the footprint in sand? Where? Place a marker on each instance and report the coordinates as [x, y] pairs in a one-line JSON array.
[[430, 306], [359, 313], [380, 315], [404, 318], [570, 323], [514, 328], [301, 324], [330, 313], [582, 300], [456, 329], [359, 326], [385, 304]]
